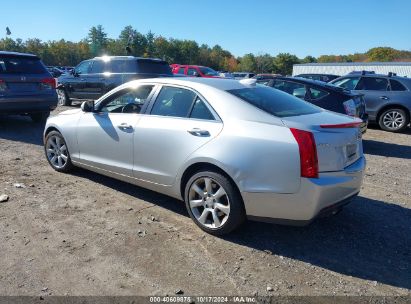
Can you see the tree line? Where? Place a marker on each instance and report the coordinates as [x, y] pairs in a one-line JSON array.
[[132, 42]]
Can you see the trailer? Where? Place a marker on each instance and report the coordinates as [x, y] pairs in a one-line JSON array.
[[343, 68]]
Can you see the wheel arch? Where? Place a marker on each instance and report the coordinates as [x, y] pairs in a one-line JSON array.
[[203, 166], [392, 106], [48, 130]]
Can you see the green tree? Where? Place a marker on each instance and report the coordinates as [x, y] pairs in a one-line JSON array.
[[264, 63], [309, 59], [382, 54], [97, 38], [247, 63], [283, 63]]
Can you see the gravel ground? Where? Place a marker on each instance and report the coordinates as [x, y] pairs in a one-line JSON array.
[[85, 234]]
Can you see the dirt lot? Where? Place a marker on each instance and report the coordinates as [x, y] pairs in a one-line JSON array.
[[85, 234]]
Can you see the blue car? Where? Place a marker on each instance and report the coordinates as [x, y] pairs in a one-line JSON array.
[[26, 86]]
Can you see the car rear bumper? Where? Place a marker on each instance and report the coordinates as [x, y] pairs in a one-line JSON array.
[[316, 196], [28, 104]]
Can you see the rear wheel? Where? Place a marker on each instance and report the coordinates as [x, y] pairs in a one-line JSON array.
[[39, 117], [63, 99], [214, 203], [57, 152], [394, 120]]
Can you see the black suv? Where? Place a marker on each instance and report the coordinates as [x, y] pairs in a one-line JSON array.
[[26, 87], [94, 77]]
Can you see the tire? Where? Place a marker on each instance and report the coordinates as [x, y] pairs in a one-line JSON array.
[[39, 117], [63, 99], [57, 152], [204, 207], [394, 120]]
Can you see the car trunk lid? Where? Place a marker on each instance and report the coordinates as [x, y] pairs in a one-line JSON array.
[[337, 138]]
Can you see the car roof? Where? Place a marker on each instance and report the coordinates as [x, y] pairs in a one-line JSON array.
[[126, 58], [6, 53], [197, 82], [374, 75]]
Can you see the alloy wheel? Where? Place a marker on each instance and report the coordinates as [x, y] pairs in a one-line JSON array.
[[209, 202], [393, 120], [56, 151], [61, 95]]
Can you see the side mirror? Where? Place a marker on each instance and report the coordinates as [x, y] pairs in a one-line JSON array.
[[74, 73], [88, 106]]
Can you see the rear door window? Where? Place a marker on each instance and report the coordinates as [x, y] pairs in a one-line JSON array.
[[173, 101], [317, 94], [98, 67], [292, 88], [396, 85], [349, 83], [373, 84], [275, 102], [192, 72], [121, 66], [200, 110], [181, 71], [21, 65]]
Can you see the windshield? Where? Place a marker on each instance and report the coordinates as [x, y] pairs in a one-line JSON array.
[[208, 72], [275, 102]]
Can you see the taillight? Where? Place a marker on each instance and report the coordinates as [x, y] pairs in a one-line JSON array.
[[48, 83], [350, 107], [3, 86], [308, 153]]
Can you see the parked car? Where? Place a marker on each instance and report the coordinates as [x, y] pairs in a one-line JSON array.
[[94, 77], [225, 74], [324, 95], [265, 78], [242, 75], [195, 71], [55, 72], [26, 87], [182, 137], [387, 98], [318, 77]]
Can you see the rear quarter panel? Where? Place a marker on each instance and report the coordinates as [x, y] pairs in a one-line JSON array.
[[259, 157]]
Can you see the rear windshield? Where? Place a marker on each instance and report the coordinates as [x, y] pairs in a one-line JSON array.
[[275, 102], [21, 65], [154, 67]]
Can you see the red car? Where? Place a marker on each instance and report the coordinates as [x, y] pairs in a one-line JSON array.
[[194, 71]]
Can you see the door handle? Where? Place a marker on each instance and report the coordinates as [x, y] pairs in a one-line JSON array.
[[125, 126], [384, 97], [199, 132], [83, 79]]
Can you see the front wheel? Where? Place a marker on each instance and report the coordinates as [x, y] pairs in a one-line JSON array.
[[57, 152], [214, 203], [394, 120]]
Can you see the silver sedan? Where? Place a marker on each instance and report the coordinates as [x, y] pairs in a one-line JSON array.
[[230, 149]]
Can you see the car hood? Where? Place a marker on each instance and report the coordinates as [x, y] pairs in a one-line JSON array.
[[70, 112]]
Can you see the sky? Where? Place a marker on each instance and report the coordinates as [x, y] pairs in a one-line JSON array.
[[300, 27]]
